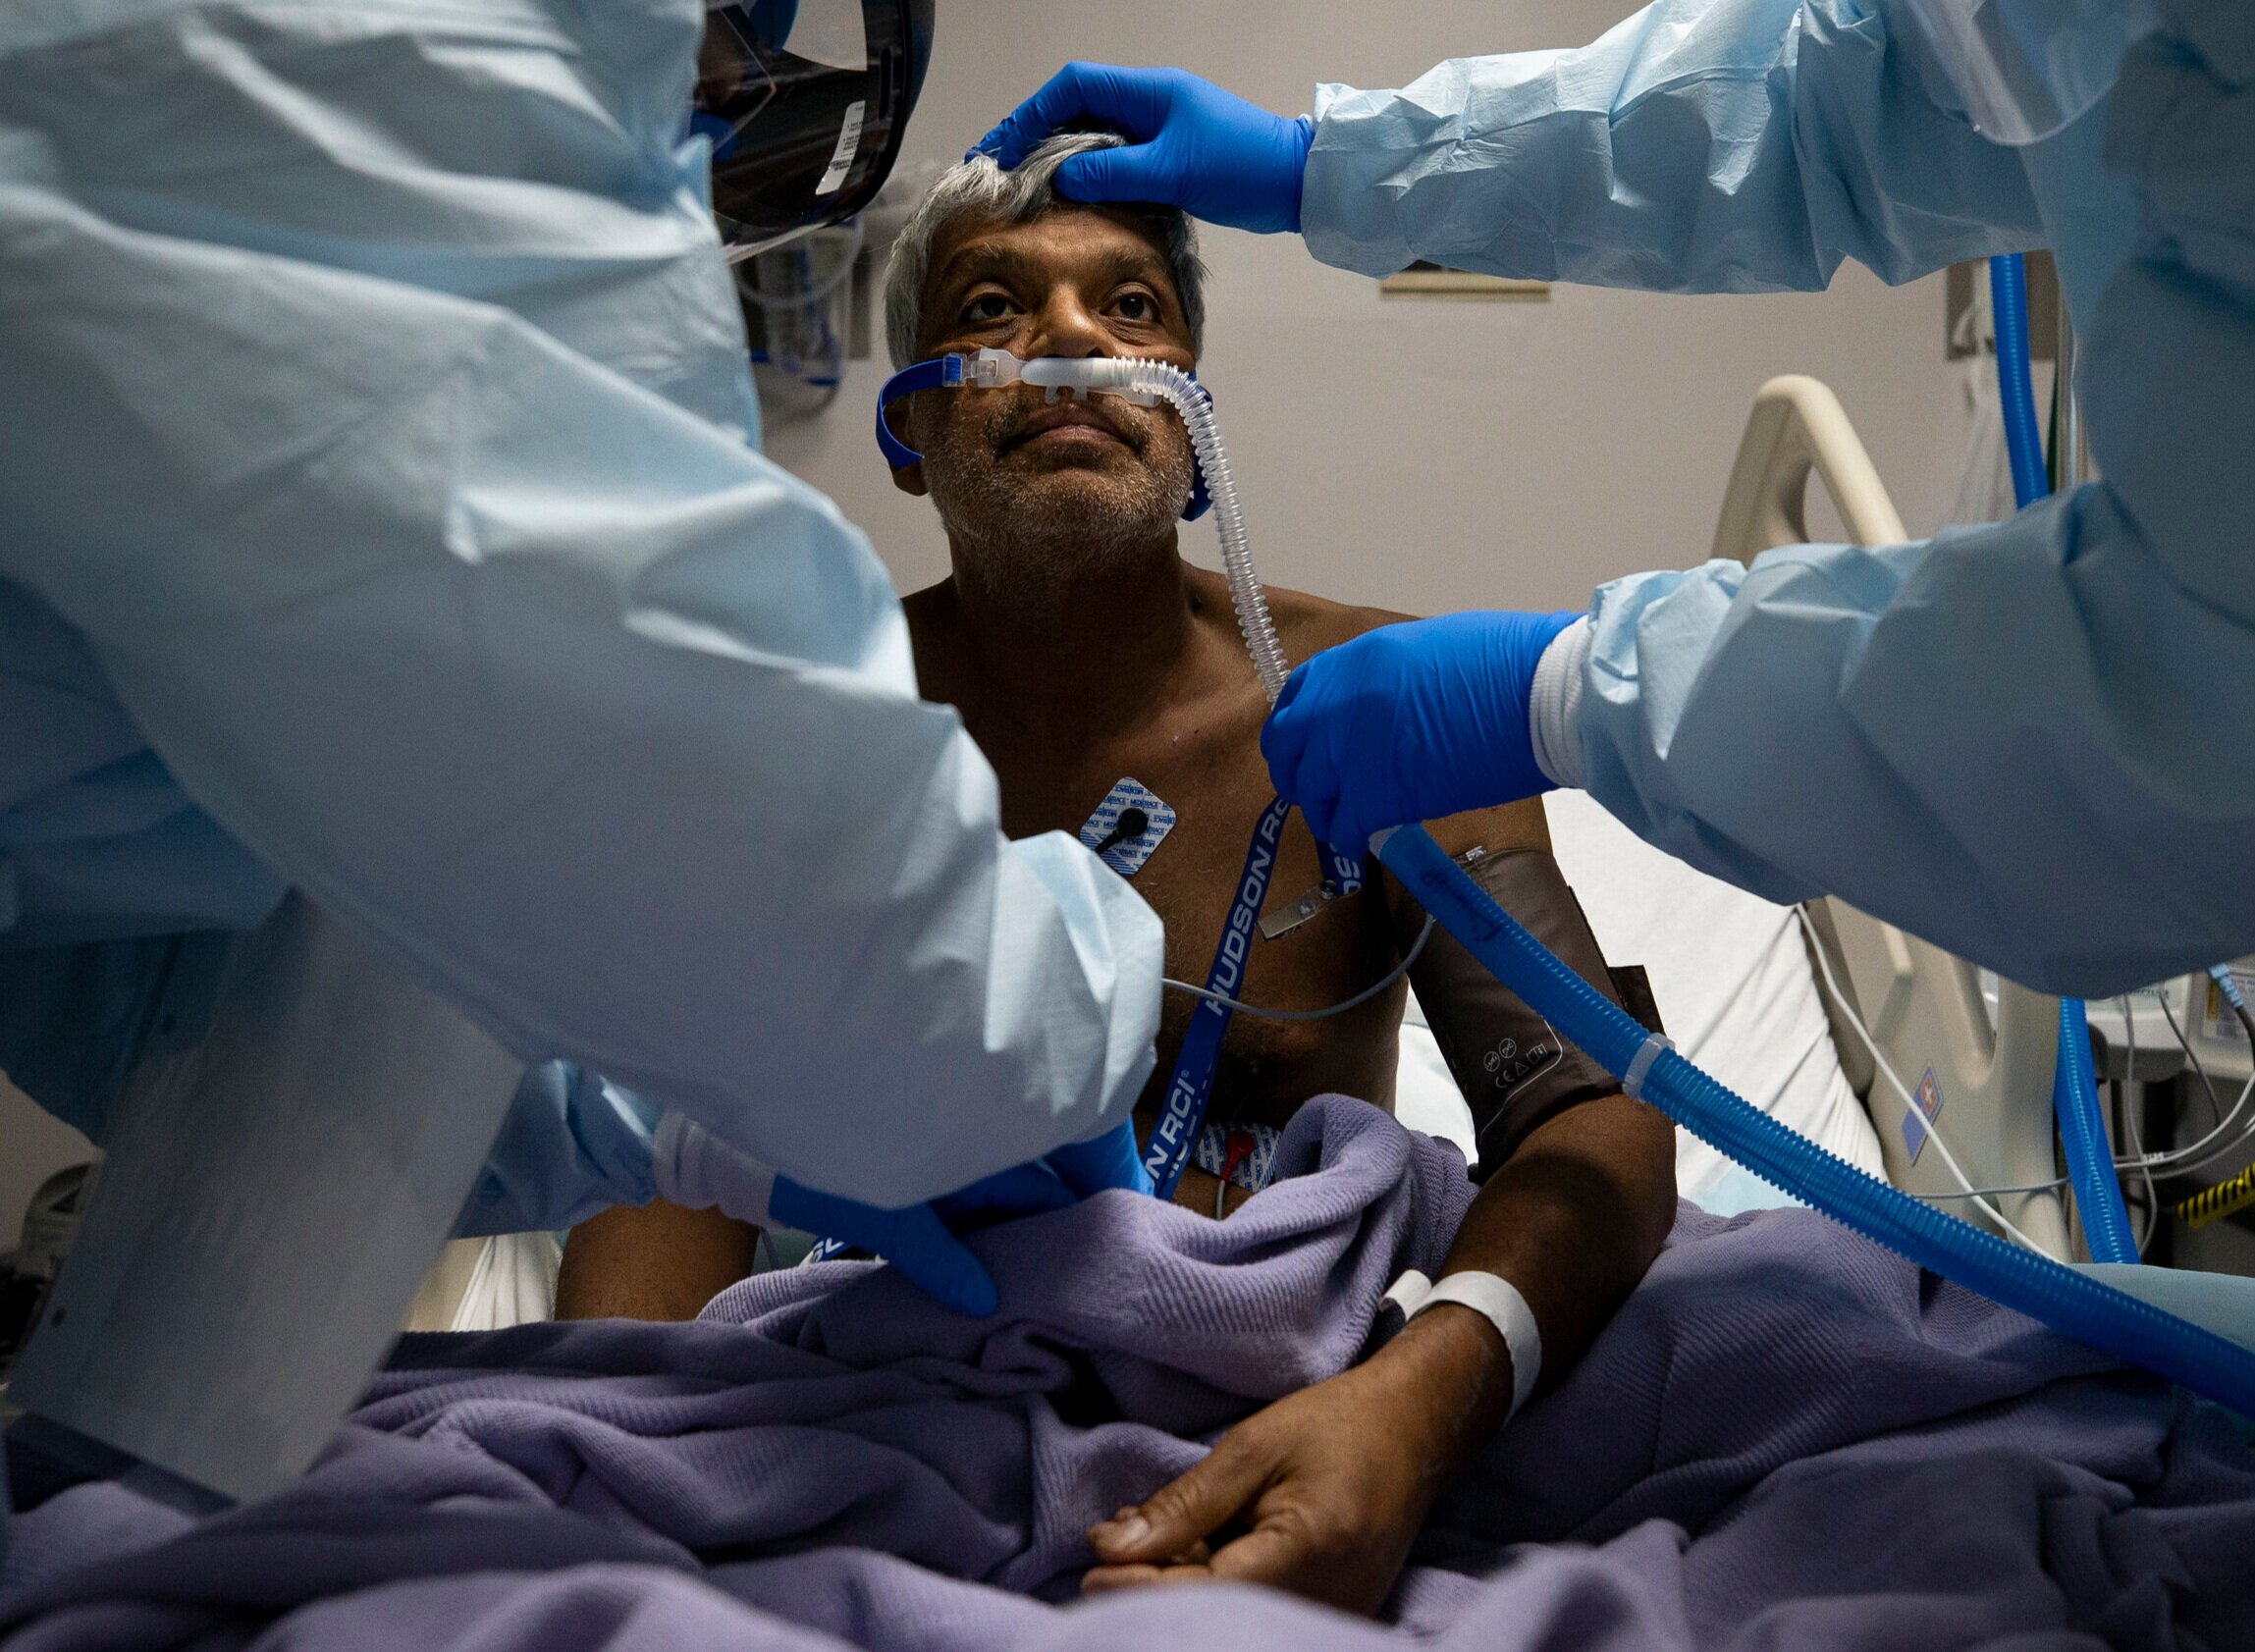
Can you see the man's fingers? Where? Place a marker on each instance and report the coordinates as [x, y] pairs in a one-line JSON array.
[[1275, 1554], [1187, 1509], [1104, 1579]]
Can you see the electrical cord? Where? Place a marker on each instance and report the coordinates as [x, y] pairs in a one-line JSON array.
[[2149, 1167], [2215, 1107], [2185, 1161], [2129, 1112], [2237, 1192], [1362, 997], [2052, 1186]]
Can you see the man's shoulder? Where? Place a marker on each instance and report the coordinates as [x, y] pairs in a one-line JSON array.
[[1308, 625]]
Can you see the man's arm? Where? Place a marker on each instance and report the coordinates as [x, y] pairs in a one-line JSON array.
[[1578, 1182], [650, 1261], [1336, 1479]]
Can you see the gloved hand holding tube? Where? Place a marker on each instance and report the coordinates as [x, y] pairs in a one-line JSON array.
[[694, 1168], [1416, 720]]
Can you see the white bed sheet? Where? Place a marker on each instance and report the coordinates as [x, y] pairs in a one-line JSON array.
[[1733, 982]]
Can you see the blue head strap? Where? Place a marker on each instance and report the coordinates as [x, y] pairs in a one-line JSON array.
[[945, 372]]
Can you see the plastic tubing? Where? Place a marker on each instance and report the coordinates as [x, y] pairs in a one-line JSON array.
[[2090, 1158], [2068, 1301], [1133, 373], [2009, 297], [2074, 1089]]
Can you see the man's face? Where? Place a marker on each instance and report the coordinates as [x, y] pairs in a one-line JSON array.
[[1002, 465]]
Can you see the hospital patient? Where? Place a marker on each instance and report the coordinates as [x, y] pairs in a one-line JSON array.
[[1081, 650]]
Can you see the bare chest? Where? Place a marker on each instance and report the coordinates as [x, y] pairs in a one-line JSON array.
[[1209, 773]]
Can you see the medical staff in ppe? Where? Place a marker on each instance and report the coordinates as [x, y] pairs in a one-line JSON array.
[[2023, 741], [382, 515]]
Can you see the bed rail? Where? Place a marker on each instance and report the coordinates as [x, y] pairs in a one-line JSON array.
[[1986, 1069]]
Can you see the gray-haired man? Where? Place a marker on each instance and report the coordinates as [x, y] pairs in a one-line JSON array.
[[1082, 650]]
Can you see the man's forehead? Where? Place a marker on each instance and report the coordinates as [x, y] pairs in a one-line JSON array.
[[1065, 242]]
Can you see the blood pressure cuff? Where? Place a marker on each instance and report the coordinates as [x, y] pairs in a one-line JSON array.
[[1515, 1071]]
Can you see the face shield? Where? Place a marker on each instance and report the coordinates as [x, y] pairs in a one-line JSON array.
[[806, 103], [2024, 69]]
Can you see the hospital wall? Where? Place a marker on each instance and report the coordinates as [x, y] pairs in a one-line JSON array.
[[1413, 454]]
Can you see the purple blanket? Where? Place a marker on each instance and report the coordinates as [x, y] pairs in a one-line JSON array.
[[1786, 1439]]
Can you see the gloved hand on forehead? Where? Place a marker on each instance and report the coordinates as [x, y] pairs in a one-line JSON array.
[[1193, 145], [1410, 723], [695, 1168]]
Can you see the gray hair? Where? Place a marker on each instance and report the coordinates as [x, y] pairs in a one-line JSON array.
[[981, 190]]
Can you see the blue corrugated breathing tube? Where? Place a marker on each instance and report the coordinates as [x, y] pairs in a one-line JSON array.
[[1651, 1069], [2074, 1088]]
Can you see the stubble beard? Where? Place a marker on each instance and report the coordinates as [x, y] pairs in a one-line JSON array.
[[1069, 526]]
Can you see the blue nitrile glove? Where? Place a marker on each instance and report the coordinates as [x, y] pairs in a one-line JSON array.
[[1193, 145], [1103, 1162], [914, 1240], [1410, 723], [1064, 1177], [1023, 1190], [693, 1167]]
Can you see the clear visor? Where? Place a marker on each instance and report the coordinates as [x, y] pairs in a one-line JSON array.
[[805, 103], [2024, 69]]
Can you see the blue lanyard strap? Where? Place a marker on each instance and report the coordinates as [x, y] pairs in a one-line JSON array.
[[1342, 872], [1175, 1138]]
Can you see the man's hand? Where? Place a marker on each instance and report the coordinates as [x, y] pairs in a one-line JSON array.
[[1333, 1480], [1191, 144]]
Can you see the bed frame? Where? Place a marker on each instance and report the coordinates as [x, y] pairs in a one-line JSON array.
[[1985, 1057]]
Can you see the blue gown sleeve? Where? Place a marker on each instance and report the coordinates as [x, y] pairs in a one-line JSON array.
[[2028, 741], [1698, 146], [378, 414]]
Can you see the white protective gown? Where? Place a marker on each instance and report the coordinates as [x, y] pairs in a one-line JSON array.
[[2033, 742], [380, 513]]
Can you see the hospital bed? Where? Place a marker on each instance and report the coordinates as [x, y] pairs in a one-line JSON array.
[[1940, 1051]]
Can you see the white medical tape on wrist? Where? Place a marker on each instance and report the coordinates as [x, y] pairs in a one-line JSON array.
[[1641, 1064], [694, 1168], [1408, 1293], [1497, 1300]]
